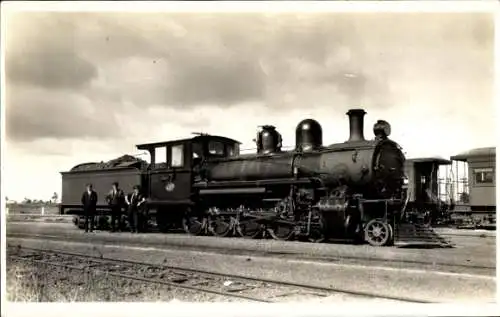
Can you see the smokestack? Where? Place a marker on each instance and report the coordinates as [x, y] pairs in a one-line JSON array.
[[356, 125]]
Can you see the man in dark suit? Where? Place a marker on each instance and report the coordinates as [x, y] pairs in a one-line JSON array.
[[89, 202], [116, 199], [135, 202]]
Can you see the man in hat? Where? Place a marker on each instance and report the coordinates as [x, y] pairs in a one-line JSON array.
[[89, 202], [135, 202], [115, 199]]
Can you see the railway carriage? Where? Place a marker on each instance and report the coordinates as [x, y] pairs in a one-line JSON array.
[[477, 200], [439, 192], [203, 184]]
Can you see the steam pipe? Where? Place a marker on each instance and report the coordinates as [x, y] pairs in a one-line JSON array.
[[356, 125]]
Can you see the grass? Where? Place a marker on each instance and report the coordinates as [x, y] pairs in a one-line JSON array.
[[32, 282]]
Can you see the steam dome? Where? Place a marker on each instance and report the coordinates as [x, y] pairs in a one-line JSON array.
[[308, 135]]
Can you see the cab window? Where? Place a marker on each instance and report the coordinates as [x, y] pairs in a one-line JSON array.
[[233, 150], [160, 155], [177, 155], [216, 148], [197, 150]]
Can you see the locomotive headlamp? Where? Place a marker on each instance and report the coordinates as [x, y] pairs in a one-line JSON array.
[[381, 129]]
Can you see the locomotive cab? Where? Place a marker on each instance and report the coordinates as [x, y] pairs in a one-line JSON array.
[[169, 172], [175, 163], [174, 167]]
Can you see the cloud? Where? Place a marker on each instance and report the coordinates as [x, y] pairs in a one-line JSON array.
[[35, 113], [40, 52], [209, 81], [110, 72], [58, 70]]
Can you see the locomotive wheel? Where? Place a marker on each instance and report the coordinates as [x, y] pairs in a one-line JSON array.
[[249, 229], [280, 231], [390, 243], [316, 236], [193, 225], [378, 232], [220, 227]]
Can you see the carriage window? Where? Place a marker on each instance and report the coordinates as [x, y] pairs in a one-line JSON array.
[[160, 155], [177, 155], [216, 148], [483, 175]]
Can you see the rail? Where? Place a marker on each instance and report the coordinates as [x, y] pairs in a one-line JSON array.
[[195, 246], [180, 277]]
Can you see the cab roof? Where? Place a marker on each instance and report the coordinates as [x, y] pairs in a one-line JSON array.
[[202, 137]]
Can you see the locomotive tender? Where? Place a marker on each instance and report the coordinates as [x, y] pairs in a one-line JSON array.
[[351, 189]]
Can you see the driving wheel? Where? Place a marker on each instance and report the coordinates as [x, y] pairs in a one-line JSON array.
[[249, 229], [281, 231], [378, 232], [220, 227]]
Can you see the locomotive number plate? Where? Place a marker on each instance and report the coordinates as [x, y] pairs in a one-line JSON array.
[[169, 187]]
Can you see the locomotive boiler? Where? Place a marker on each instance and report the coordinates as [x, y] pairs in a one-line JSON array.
[[373, 167]]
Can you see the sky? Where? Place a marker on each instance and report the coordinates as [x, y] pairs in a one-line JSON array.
[[84, 87]]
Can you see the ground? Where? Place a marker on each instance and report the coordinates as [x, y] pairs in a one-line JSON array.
[[463, 273]]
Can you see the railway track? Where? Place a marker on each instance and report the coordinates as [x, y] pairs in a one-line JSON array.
[[344, 258], [227, 285]]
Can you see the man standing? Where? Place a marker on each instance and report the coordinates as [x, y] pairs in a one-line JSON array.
[[89, 202], [115, 199], [134, 202]]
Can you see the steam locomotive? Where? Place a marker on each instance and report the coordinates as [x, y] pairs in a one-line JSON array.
[[204, 185]]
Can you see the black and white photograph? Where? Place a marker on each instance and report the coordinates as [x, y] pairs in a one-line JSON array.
[[249, 153]]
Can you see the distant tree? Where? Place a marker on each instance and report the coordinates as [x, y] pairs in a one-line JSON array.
[[27, 201], [6, 198], [55, 197]]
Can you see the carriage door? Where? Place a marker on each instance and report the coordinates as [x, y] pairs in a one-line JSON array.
[[170, 180]]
